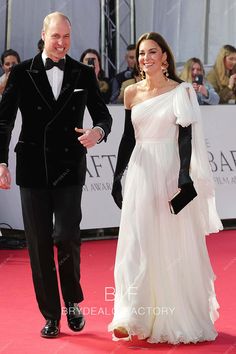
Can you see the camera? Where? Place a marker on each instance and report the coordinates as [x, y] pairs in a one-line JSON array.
[[198, 79], [91, 62], [128, 74]]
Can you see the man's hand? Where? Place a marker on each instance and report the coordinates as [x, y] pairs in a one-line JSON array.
[[5, 177], [89, 137]]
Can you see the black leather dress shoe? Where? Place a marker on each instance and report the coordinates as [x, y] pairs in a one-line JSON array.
[[51, 329], [75, 318]]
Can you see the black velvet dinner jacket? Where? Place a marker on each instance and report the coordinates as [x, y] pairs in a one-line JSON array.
[[48, 152]]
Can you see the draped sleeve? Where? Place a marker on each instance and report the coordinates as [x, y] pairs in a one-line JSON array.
[[185, 105], [187, 111]]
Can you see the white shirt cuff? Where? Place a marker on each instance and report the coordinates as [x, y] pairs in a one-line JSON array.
[[102, 133]]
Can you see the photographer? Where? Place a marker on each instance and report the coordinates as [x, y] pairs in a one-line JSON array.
[[91, 57], [9, 58], [136, 77], [193, 72], [127, 74]]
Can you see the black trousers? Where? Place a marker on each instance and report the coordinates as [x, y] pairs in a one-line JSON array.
[[39, 206]]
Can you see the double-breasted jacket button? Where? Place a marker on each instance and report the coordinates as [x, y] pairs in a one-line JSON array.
[[66, 149], [73, 108], [39, 108]]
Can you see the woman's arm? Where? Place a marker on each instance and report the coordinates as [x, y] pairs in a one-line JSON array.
[[125, 149], [185, 151]]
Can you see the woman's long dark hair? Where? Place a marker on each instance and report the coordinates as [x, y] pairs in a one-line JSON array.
[[8, 52], [156, 37]]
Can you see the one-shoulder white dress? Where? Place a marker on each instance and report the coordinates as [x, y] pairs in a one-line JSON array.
[[163, 275]]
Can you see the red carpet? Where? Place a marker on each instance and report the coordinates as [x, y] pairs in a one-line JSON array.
[[21, 321]]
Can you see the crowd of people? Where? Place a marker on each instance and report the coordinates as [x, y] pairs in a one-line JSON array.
[[216, 86]]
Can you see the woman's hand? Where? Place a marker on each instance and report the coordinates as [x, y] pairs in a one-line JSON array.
[[200, 88], [232, 81], [195, 86], [203, 90]]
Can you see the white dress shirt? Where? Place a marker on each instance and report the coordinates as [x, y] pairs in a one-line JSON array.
[[55, 77]]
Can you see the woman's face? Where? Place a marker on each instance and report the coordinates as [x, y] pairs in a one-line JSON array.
[[9, 62], [230, 61], [96, 62], [196, 70], [150, 57]]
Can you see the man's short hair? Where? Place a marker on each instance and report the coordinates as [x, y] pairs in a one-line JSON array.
[[131, 47], [50, 16]]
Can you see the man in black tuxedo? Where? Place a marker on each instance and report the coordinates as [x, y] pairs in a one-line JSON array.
[[51, 90]]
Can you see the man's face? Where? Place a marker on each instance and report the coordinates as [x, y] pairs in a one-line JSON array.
[[57, 38], [130, 57]]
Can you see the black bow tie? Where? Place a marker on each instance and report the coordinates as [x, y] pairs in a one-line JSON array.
[[50, 64]]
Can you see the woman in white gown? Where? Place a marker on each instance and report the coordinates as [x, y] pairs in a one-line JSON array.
[[163, 276]]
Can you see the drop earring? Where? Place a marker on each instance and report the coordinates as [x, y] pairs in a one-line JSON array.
[[142, 74], [164, 69]]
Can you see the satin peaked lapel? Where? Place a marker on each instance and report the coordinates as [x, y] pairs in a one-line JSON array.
[[39, 78]]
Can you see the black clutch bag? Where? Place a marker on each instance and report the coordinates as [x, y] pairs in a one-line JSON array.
[[182, 198]]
